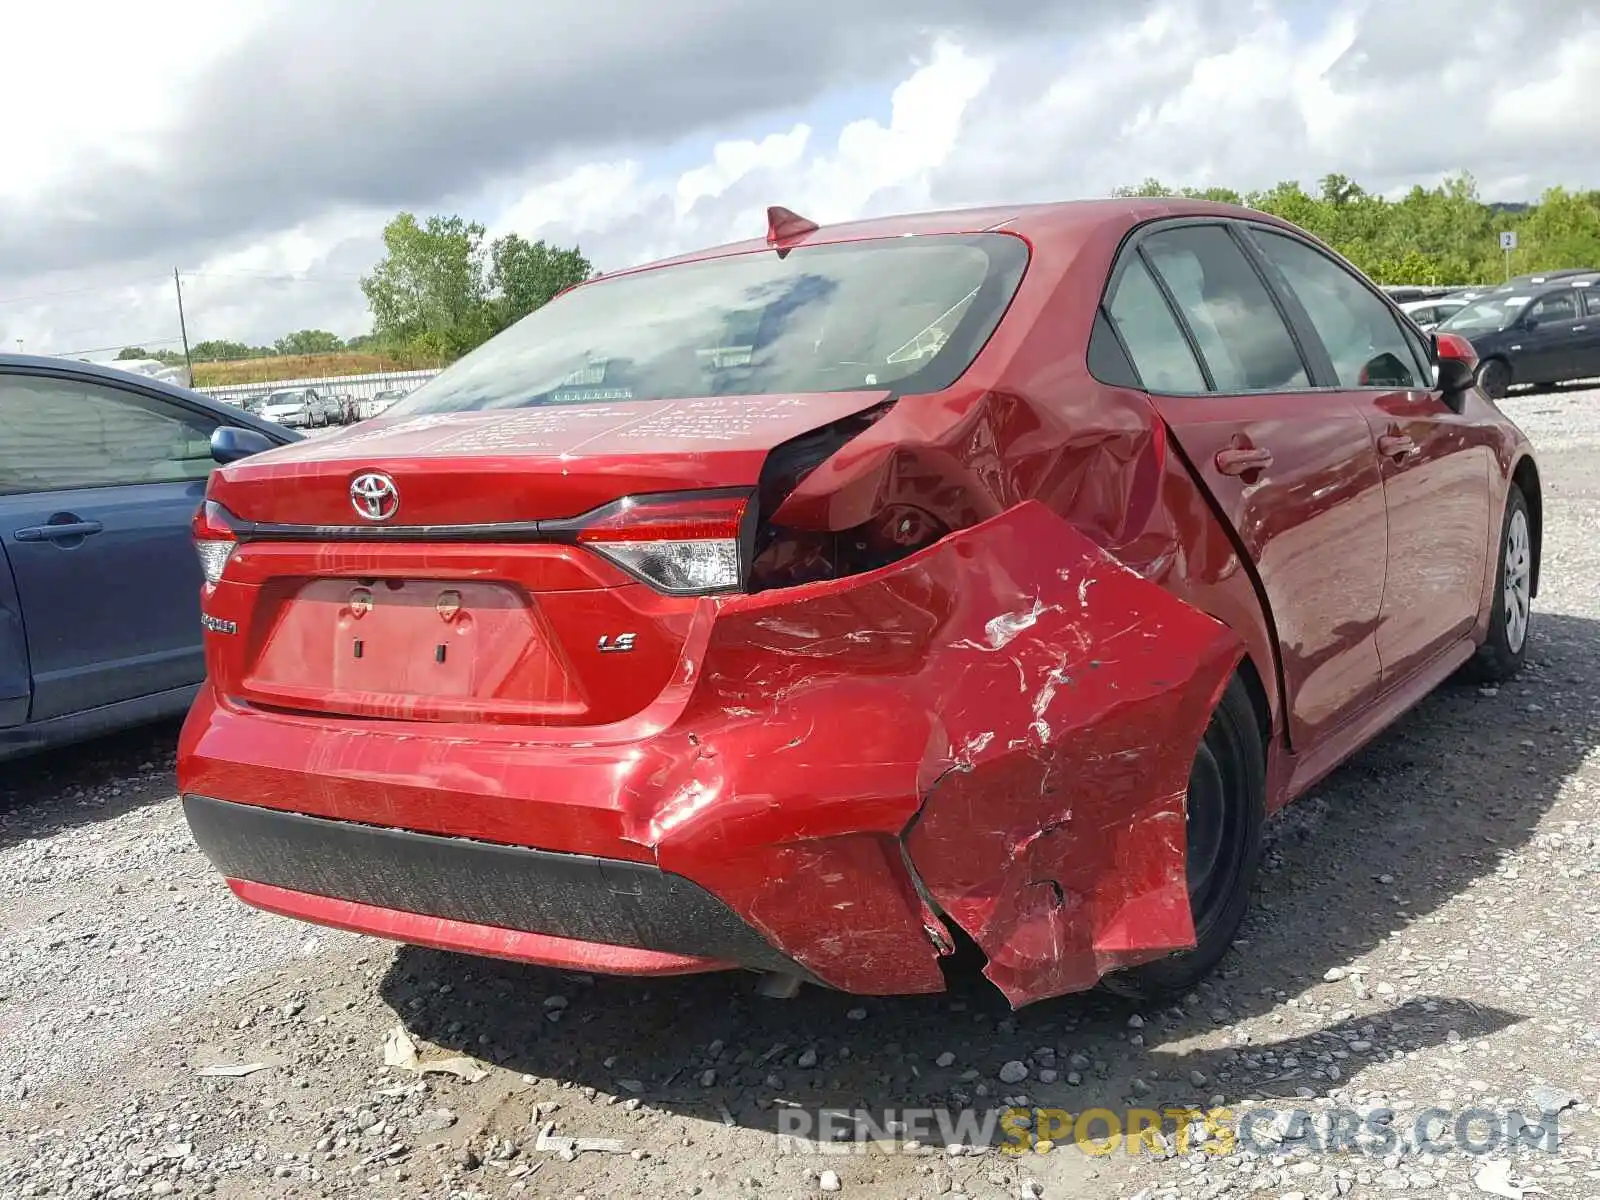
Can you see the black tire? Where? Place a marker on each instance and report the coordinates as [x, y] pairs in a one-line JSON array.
[[1226, 814], [1505, 646], [1494, 377]]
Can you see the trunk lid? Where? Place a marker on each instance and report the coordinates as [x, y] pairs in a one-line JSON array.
[[504, 629], [530, 464]]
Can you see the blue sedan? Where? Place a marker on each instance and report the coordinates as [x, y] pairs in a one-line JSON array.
[[101, 472]]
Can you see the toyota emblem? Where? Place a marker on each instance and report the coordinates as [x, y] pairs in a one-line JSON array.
[[374, 496]]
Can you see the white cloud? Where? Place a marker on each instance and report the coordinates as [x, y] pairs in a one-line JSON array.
[[90, 79], [926, 113], [593, 196], [305, 277], [625, 216], [732, 161]]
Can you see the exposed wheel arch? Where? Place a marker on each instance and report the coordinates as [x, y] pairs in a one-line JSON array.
[[1230, 770]]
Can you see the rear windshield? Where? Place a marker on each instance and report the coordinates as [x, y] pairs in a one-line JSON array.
[[907, 314]]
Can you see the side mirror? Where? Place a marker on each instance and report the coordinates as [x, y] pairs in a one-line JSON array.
[[230, 443], [1455, 364]]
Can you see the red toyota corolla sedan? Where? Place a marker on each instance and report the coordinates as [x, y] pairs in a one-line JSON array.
[[798, 604]]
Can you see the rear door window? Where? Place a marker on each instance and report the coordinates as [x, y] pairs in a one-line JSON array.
[[1241, 334], [1155, 341], [1591, 301], [1360, 332]]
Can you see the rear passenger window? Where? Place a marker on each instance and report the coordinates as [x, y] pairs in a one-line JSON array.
[[1160, 352], [1241, 334], [1361, 334], [1591, 300]]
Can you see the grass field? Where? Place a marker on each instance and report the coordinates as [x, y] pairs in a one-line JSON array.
[[309, 366]]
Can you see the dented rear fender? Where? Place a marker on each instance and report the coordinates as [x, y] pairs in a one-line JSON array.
[[1013, 707]]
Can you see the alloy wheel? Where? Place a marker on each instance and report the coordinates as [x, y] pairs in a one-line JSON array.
[[1517, 580]]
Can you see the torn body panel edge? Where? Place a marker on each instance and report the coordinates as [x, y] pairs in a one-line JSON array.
[[998, 729]]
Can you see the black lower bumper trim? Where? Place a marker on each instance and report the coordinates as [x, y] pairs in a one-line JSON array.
[[608, 901]]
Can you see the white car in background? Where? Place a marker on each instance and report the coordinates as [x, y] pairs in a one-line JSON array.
[[298, 408], [1428, 313], [377, 404]]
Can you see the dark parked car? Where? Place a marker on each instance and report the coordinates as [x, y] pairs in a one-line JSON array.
[[101, 472], [1536, 333]]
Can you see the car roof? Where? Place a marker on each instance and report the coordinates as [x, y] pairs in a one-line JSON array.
[[1056, 218], [1544, 276], [1544, 285]]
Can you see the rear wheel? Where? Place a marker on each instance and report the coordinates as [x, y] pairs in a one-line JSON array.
[[1226, 810], [1494, 377], [1505, 647]]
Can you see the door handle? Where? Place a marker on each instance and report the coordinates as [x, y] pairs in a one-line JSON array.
[[1579, 328], [1238, 460], [58, 533], [1396, 446]]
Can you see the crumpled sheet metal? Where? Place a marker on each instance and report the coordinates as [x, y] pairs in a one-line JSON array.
[[1011, 712]]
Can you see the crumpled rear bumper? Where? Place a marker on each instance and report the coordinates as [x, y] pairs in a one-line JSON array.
[[996, 731]]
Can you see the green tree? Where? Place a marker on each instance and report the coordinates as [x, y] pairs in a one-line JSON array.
[[441, 289], [1441, 235], [1290, 201], [1151, 188], [526, 275], [1562, 230], [430, 291], [1339, 191], [170, 358], [226, 351], [309, 341]]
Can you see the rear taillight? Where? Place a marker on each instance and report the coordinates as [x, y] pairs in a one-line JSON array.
[[684, 544], [214, 540]]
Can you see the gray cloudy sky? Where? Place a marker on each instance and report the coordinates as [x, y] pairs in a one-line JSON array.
[[261, 144]]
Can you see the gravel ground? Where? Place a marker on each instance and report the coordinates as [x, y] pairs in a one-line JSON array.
[[1424, 935]]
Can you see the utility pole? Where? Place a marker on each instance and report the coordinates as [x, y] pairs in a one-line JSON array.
[[183, 326]]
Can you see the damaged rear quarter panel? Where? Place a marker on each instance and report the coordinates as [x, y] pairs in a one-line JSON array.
[[1012, 706]]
